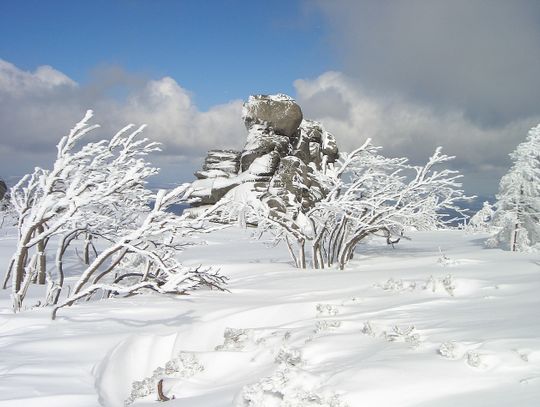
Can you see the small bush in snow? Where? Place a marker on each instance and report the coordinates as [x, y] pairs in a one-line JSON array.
[[325, 325], [185, 365], [474, 359], [289, 357], [447, 283], [407, 335], [326, 310], [367, 329], [444, 260], [287, 387], [397, 285], [448, 350], [235, 339]]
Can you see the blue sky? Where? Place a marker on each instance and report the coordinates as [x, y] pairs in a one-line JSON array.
[[410, 74], [220, 50]]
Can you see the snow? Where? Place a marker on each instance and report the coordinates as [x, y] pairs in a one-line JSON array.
[[439, 320]]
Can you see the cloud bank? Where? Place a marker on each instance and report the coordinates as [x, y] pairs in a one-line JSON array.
[[406, 128], [481, 57], [37, 108]]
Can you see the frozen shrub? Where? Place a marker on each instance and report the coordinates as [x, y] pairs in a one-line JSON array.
[[397, 285], [367, 329], [185, 365], [474, 359], [325, 325], [326, 310], [235, 339], [407, 335], [447, 283], [286, 388], [444, 260], [289, 357], [448, 350]]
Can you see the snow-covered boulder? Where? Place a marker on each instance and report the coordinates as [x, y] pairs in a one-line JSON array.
[[280, 112]]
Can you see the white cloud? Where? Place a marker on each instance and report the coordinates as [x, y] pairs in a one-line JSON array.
[[37, 108], [16, 82], [406, 128]]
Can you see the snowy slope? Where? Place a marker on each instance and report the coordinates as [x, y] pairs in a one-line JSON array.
[[410, 326]]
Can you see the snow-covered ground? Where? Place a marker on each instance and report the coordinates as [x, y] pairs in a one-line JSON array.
[[410, 326]]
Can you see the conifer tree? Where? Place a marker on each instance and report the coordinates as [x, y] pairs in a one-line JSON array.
[[517, 216]]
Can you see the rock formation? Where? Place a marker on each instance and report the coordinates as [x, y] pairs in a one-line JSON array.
[[278, 160]]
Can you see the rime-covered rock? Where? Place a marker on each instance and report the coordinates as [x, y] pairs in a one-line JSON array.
[[293, 183], [278, 162], [318, 136], [220, 163], [329, 147], [261, 141], [208, 191], [280, 112]]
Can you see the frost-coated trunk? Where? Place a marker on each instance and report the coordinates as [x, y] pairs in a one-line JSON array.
[[60, 251], [18, 267], [88, 244], [316, 246], [8, 274], [318, 260], [41, 260], [514, 238], [302, 253]]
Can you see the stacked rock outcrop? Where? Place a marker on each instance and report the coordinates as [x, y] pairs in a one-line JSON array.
[[279, 159]]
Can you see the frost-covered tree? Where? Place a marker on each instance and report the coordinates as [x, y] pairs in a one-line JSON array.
[[3, 189], [145, 256], [481, 220], [367, 195], [517, 214], [7, 212], [99, 190]]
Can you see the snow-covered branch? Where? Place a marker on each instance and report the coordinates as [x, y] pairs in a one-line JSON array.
[[367, 194], [98, 191]]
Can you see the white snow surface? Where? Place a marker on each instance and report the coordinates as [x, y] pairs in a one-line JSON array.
[[437, 321]]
